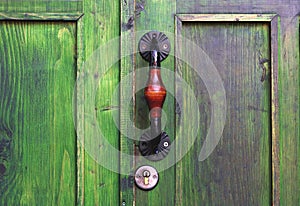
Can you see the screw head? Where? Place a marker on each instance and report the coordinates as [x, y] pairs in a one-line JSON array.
[[143, 46], [165, 46]]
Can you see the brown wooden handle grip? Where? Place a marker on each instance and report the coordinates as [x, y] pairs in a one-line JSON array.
[[155, 93]]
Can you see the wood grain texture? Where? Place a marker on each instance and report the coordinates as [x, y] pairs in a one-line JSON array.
[[37, 137], [40, 16], [289, 113], [226, 17], [128, 46], [98, 185], [275, 52], [239, 170], [36, 6], [281, 7], [37, 75], [159, 16], [287, 118]]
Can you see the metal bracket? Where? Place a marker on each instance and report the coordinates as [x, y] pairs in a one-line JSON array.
[[154, 40], [152, 151]]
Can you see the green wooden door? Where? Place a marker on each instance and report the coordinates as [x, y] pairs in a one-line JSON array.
[[72, 106], [38, 142]]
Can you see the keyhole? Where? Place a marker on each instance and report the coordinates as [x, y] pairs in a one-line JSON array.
[[146, 175]]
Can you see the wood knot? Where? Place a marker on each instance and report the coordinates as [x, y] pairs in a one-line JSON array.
[[2, 169]]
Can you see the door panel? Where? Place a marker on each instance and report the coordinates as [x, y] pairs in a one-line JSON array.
[[287, 118], [256, 161], [238, 172], [37, 137]]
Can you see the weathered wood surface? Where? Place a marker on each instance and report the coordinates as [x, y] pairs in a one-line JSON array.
[[27, 44], [142, 16], [40, 16], [238, 171], [36, 6], [282, 7], [289, 112], [226, 17], [288, 118], [37, 137], [274, 63], [96, 184], [156, 15], [127, 65]]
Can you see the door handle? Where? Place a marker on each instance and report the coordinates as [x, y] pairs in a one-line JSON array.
[[154, 47]]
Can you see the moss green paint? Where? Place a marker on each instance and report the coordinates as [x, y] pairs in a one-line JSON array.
[[96, 184], [238, 171], [43, 45], [37, 137]]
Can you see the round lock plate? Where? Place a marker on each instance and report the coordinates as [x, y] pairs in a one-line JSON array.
[[146, 177]]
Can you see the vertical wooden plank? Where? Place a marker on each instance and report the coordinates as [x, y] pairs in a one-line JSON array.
[[159, 16], [136, 17], [37, 137], [80, 190], [97, 185], [238, 171], [275, 45], [289, 110], [128, 47]]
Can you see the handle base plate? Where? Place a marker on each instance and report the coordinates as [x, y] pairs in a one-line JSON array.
[[162, 45], [152, 151]]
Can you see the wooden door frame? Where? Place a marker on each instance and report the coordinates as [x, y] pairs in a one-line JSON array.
[[273, 21], [7, 16]]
